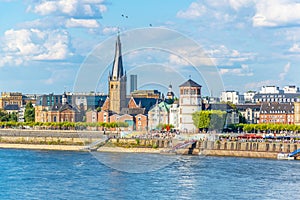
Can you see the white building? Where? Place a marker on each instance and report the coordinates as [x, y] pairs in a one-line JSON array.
[[232, 96], [290, 89], [190, 102], [174, 117], [158, 115], [248, 96], [270, 90], [21, 113]]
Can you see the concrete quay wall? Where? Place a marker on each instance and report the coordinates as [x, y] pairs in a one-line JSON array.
[[58, 137], [212, 148], [249, 146]]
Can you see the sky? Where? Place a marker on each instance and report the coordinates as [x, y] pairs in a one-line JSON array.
[[251, 43]]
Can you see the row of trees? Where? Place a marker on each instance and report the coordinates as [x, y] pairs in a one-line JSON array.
[[62, 125], [5, 117], [256, 128], [216, 120]]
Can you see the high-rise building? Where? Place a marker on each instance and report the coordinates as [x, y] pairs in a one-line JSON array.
[[133, 82]]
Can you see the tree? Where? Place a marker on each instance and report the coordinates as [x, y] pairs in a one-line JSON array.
[[3, 116], [209, 119], [242, 119], [13, 117], [29, 114]]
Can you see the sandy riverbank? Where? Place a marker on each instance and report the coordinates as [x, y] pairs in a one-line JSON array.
[[77, 148], [42, 147], [128, 150]]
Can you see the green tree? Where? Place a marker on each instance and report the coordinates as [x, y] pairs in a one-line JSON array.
[[29, 113], [209, 119], [13, 117], [3, 116], [242, 119]]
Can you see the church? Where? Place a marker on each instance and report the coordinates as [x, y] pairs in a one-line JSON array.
[[118, 107], [145, 113]]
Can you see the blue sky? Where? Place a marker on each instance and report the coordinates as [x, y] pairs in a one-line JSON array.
[[252, 42]]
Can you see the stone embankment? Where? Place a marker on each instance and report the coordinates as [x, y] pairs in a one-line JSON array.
[[48, 137], [75, 140], [212, 148]]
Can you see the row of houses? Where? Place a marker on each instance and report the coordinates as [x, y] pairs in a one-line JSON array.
[[147, 109], [288, 94]]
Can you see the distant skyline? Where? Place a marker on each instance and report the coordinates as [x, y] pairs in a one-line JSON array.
[[252, 43]]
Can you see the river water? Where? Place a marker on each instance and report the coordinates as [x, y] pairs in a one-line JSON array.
[[32, 174]]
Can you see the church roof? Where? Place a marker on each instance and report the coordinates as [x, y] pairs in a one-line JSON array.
[[67, 107], [117, 70], [190, 83], [56, 107], [60, 107], [146, 103]]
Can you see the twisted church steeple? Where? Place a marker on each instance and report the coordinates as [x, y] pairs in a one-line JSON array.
[[117, 70]]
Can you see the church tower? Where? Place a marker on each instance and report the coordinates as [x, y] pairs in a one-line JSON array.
[[117, 81]]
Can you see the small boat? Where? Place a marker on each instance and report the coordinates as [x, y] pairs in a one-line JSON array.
[[285, 156]]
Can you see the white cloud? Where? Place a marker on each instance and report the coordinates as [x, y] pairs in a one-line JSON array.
[[194, 11], [244, 70], [173, 59], [21, 46], [278, 81], [87, 23], [237, 4], [258, 84], [276, 13], [286, 69], [295, 48], [224, 56], [110, 30], [74, 8], [102, 8], [58, 76]]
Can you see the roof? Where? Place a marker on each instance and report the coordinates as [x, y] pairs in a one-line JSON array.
[[56, 107], [242, 107], [277, 108], [170, 94], [11, 107], [279, 95], [190, 83], [218, 106], [146, 103], [60, 107], [163, 106], [67, 107]]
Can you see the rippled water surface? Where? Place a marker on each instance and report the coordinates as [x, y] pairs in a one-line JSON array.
[[28, 174]]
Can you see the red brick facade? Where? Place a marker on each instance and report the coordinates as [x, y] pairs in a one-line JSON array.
[[277, 113], [141, 122]]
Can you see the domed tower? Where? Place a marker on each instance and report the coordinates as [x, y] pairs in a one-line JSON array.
[[170, 94], [64, 99], [117, 81]]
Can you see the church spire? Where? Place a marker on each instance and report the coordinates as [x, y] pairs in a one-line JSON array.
[[117, 71]]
